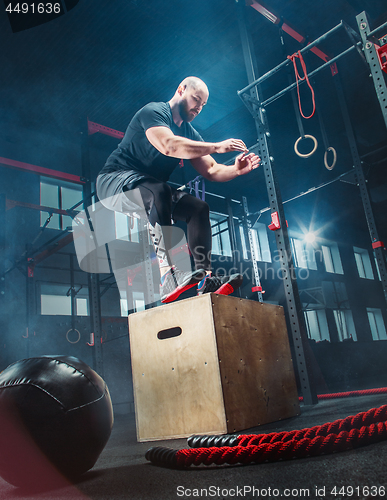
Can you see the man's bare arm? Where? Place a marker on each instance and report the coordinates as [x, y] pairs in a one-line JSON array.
[[169, 144], [213, 171]]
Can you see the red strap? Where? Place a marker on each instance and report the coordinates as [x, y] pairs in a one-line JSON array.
[[377, 244], [299, 78]]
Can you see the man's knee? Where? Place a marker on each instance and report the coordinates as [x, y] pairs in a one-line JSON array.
[[203, 209]]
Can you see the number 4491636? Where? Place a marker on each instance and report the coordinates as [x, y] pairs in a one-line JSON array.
[[34, 8]]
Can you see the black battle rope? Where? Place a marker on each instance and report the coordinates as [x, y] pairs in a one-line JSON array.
[[344, 434]]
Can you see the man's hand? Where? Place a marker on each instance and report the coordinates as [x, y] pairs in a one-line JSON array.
[[231, 145], [245, 163]]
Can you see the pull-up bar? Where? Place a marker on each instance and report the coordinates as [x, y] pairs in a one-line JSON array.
[[275, 70], [379, 29], [285, 63], [310, 75]]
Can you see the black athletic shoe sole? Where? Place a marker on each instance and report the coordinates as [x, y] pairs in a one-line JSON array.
[[232, 284]]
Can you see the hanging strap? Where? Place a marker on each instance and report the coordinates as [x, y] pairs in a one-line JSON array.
[[326, 144], [293, 58], [197, 194]]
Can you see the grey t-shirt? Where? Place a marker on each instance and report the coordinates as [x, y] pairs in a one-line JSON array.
[[135, 153]]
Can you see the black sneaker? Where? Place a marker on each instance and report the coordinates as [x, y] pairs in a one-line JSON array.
[[221, 285], [176, 282]]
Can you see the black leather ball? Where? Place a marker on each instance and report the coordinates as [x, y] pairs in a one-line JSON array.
[[56, 416]]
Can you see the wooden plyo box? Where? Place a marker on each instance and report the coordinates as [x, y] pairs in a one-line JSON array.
[[212, 364]]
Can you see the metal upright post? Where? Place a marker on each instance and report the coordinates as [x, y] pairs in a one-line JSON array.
[[249, 230], [93, 279], [233, 240], [147, 275], [30, 300], [371, 55], [294, 307], [3, 314]]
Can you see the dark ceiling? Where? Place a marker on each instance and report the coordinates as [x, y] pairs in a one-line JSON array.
[[106, 59]]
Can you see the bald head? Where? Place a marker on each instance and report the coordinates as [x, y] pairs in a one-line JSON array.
[[195, 83], [190, 97]]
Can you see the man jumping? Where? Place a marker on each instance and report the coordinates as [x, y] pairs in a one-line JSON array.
[[157, 138]]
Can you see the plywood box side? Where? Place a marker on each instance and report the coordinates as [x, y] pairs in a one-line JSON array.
[[256, 369], [176, 381]]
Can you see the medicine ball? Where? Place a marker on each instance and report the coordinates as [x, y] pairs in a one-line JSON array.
[[56, 417]]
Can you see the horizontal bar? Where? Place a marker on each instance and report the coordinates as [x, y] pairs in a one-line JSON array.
[[207, 192], [66, 240], [285, 63], [310, 190], [293, 85], [376, 30], [93, 128], [42, 171], [13, 203]]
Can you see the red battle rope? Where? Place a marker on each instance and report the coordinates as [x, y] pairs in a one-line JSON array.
[[350, 394], [341, 435], [299, 78]]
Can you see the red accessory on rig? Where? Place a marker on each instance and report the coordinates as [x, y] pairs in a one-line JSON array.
[[299, 78], [382, 56], [275, 224]]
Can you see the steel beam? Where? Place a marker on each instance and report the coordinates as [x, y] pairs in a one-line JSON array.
[[378, 76], [294, 306], [93, 278]]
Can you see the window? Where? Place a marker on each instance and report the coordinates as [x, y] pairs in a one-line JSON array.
[[260, 242], [378, 328], [220, 235], [303, 254], [126, 227], [377, 267], [363, 263], [61, 195], [316, 324], [345, 325], [56, 300], [332, 260], [138, 302]]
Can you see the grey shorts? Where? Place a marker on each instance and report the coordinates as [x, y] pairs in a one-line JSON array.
[[117, 191]]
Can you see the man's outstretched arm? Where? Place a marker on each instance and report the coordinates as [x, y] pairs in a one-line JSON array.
[[213, 171], [169, 144]]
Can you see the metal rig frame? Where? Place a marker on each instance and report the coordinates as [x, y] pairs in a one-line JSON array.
[[251, 98]]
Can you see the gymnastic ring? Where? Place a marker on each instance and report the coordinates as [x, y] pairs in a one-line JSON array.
[[71, 341], [334, 158], [308, 154]]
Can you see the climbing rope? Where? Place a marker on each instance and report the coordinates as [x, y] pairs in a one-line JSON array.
[[341, 435]]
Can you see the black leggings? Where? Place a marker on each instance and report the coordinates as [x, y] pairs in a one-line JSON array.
[[163, 203]]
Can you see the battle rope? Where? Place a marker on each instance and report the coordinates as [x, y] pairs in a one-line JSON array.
[[363, 392], [341, 435]]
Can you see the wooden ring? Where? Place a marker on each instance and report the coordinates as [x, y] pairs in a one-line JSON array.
[[334, 158], [71, 341], [307, 154]]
